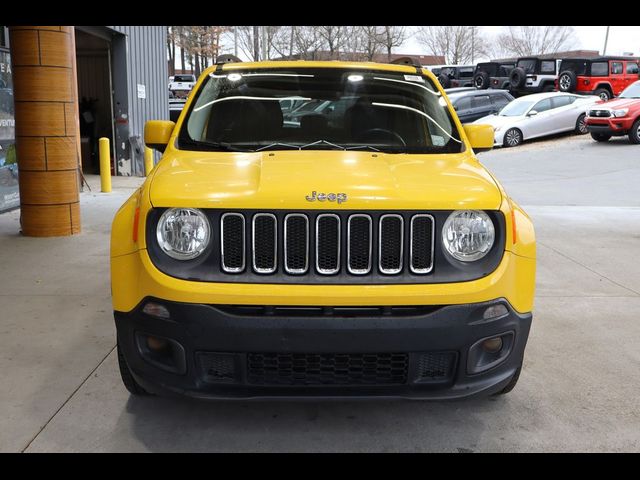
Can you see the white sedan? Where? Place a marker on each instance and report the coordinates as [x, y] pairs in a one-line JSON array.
[[539, 115]]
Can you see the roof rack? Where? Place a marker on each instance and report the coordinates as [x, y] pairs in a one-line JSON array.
[[407, 61], [227, 59]]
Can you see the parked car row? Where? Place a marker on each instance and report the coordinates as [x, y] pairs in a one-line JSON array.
[[179, 88], [605, 77]]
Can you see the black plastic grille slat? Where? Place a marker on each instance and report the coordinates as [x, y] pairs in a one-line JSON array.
[[359, 244], [328, 244], [264, 243], [297, 244], [327, 369], [338, 311], [233, 242], [217, 367], [421, 244], [391, 238], [436, 366]]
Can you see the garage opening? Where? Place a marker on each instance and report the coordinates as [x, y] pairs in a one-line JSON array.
[[93, 58]]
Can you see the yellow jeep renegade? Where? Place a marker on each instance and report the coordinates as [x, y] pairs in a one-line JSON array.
[[321, 229]]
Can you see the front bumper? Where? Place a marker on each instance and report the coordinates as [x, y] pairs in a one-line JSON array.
[[209, 329], [609, 126]]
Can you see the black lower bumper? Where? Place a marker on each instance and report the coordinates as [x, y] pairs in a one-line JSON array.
[[269, 353], [606, 130]]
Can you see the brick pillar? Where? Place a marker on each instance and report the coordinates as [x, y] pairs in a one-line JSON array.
[[46, 112]]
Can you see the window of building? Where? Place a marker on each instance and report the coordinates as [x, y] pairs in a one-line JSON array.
[[3, 36]]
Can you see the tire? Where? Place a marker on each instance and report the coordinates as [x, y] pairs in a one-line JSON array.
[[481, 80], [600, 137], [567, 81], [634, 133], [518, 77], [512, 138], [511, 385], [444, 80], [128, 380], [581, 126], [603, 93]]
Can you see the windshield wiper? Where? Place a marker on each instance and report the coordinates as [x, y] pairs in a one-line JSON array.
[[363, 147], [322, 142], [273, 145], [223, 146]]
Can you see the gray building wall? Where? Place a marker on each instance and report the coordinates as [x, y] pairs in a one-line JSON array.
[[146, 64]]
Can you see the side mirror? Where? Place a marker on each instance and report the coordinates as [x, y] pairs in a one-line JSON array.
[[157, 134], [480, 137], [532, 113]]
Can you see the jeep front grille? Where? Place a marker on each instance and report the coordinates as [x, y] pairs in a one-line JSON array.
[[326, 244]]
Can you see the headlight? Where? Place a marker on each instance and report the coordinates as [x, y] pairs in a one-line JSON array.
[[620, 113], [468, 235], [183, 233]]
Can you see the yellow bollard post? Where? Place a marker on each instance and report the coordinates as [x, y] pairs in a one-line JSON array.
[[148, 161], [105, 165]]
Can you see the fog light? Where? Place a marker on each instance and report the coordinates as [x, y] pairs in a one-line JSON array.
[[158, 345], [495, 311], [156, 310], [492, 345]]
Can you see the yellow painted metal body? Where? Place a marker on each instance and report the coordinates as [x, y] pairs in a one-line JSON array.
[[282, 179], [105, 165], [148, 160]]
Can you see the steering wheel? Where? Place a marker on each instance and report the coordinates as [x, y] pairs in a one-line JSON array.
[[377, 132]]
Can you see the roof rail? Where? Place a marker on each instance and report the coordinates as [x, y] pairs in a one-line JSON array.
[[407, 61]]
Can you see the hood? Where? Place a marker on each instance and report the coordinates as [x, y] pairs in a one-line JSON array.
[[279, 180], [619, 103]]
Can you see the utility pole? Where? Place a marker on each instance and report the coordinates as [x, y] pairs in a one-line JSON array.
[[235, 41], [473, 43], [256, 43], [606, 40]]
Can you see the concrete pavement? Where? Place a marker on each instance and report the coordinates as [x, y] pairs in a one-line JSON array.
[[578, 390]]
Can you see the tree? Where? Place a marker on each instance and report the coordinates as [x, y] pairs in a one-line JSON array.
[[458, 44], [391, 37], [333, 39], [521, 41]]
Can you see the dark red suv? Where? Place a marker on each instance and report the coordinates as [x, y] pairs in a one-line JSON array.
[[617, 117], [606, 77]]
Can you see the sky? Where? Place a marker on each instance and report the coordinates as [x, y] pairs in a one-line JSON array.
[[621, 39]]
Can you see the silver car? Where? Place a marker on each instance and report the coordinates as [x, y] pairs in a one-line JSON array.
[[539, 115]]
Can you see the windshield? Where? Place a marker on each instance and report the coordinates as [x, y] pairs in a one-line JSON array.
[[338, 109], [184, 78], [632, 91], [516, 108]]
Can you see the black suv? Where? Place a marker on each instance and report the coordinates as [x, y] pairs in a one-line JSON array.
[[492, 75], [533, 75], [451, 76], [470, 105]]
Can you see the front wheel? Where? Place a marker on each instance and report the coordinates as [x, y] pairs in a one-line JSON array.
[[600, 137], [512, 138], [634, 134], [512, 383], [129, 382], [581, 125]]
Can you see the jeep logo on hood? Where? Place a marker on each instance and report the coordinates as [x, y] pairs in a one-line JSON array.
[[331, 197]]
